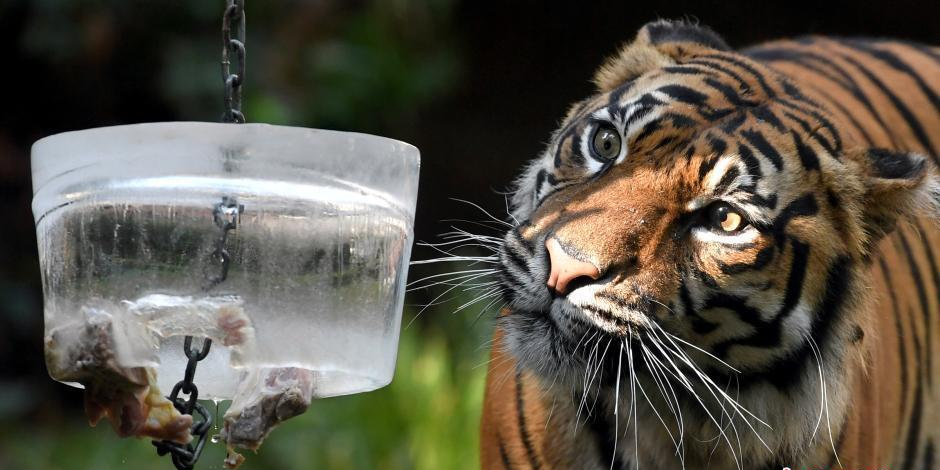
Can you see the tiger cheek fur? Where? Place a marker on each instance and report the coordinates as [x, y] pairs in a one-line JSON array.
[[731, 222]]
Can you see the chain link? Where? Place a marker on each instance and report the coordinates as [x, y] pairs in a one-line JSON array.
[[185, 455], [225, 215], [233, 47]]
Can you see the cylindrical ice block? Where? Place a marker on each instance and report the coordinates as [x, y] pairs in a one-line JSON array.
[[131, 222]]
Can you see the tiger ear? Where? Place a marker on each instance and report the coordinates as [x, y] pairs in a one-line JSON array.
[[657, 44], [897, 185]]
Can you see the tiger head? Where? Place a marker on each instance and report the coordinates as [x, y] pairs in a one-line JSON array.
[[698, 202]]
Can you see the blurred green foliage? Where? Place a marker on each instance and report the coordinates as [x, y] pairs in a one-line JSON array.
[[427, 419], [350, 65]]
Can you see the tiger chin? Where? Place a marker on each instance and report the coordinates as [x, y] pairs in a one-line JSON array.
[[726, 260]]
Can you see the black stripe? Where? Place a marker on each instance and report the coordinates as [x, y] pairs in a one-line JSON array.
[[745, 66], [732, 174], [729, 93], [896, 314], [813, 110], [763, 257], [512, 284], [921, 289], [847, 82], [914, 269], [898, 64], [786, 373], [512, 279], [913, 430], [794, 289], [742, 84], [619, 92], [928, 315], [928, 456], [807, 155], [850, 116], [706, 278], [539, 181], [684, 94], [601, 427], [801, 207], [844, 82], [644, 110], [687, 69], [769, 202], [745, 313], [717, 147], [905, 112], [678, 121], [502, 453], [750, 161], [575, 153], [518, 259], [648, 130], [764, 113], [800, 57], [929, 51], [662, 31], [732, 124], [700, 325], [759, 142], [523, 432], [804, 124]]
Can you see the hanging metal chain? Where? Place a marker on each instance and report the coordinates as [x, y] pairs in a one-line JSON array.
[[233, 46], [225, 215], [185, 456]]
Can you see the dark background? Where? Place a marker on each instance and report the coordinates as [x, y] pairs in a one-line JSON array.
[[476, 85]]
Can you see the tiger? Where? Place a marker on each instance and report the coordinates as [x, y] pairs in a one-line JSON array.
[[726, 259]]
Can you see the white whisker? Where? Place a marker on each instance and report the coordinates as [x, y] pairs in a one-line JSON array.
[[503, 222]]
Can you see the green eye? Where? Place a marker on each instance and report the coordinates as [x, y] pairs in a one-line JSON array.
[[606, 142], [725, 219]]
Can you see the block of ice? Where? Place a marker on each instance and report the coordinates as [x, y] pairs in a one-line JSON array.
[[314, 263]]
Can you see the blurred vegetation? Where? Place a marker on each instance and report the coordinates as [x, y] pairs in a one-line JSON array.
[[427, 419], [363, 66]]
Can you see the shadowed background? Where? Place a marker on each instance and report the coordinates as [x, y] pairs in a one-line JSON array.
[[477, 86]]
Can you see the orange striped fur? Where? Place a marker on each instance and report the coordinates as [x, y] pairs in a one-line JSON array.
[[869, 238]]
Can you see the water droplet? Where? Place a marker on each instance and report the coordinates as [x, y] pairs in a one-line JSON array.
[[215, 422], [215, 438]]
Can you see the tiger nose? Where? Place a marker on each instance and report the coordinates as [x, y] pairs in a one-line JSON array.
[[565, 268]]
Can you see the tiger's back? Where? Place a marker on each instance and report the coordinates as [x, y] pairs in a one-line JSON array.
[[876, 94]]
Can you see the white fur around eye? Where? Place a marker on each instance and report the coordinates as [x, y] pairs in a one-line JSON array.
[[747, 235]]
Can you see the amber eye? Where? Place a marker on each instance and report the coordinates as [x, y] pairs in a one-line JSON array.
[[606, 142], [725, 219]]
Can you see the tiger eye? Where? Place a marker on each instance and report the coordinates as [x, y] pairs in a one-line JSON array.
[[725, 218], [606, 142], [732, 222]]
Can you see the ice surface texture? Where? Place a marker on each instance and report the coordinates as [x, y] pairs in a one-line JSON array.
[[311, 306]]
